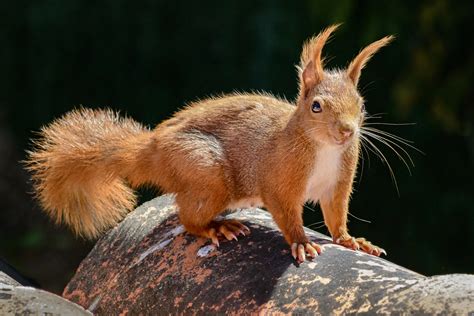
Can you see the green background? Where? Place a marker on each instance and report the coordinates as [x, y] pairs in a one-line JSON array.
[[148, 58]]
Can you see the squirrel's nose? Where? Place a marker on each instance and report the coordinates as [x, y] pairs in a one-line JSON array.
[[347, 133], [346, 130]]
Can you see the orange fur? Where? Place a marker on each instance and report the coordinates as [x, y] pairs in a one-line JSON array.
[[364, 56], [311, 70], [227, 152]]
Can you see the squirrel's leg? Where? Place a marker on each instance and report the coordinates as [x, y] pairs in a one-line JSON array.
[[289, 219], [335, 210], [197, 214]]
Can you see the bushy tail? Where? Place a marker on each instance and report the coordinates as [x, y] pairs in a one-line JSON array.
[[78, 168]]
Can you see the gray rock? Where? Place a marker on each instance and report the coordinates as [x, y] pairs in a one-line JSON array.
[[6, 280], [149, 265], [22, 300]]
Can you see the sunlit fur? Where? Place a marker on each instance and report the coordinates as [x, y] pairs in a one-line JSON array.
[[224, 152], [355, 67], [75, 169]]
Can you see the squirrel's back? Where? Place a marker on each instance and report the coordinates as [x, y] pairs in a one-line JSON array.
[[85, 165], [75, 169], [235, 132]]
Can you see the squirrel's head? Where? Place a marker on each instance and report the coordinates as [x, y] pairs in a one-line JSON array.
[[329, 103]]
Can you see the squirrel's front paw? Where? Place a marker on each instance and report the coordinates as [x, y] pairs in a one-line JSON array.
[[299, 250], [360, 244]]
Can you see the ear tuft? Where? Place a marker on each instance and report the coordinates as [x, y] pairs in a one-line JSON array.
[[359, 62], [311, 70]]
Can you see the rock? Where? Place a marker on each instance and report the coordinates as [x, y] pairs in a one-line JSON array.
[[149, 265], [23, 300], [6, 280]]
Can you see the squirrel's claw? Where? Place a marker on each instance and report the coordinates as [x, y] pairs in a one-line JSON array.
[[228, 234], [314, 249], [229, 229], [368, 247], [241, 232], [213, 235], [361, 244], [299, 251]]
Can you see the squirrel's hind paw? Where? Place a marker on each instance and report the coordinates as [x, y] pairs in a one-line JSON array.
[[228, 229]]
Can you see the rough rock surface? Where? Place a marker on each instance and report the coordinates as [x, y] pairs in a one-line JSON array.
[[149, 265], [23, 300]]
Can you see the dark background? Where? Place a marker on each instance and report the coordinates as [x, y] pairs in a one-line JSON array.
[[148, 58]]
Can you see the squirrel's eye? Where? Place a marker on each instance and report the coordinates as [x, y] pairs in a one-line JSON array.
[[362, 108], [316, 107]]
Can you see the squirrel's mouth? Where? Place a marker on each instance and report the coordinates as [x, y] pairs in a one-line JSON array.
[[340, 142], [343, 140]]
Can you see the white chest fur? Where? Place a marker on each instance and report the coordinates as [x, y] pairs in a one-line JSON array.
[[325, 172]]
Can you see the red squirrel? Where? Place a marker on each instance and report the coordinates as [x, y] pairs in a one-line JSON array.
[[228, 152]]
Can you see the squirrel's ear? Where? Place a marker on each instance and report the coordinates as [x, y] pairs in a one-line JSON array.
[[309, 77], [359, 62], [311, 64]]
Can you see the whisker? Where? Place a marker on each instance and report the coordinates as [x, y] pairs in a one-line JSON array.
[[365, 88], [316, 223], [387, 143], [390, 124], [370, 116], [364, 150], [360, 219], [393, 141], [395, 137], [363, 162], [382, 156], [309, 208], [398, 154], [363, 138], [364, 147], [373, 129]]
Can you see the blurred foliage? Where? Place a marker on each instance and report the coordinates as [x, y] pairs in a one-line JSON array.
[[148, 58]]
